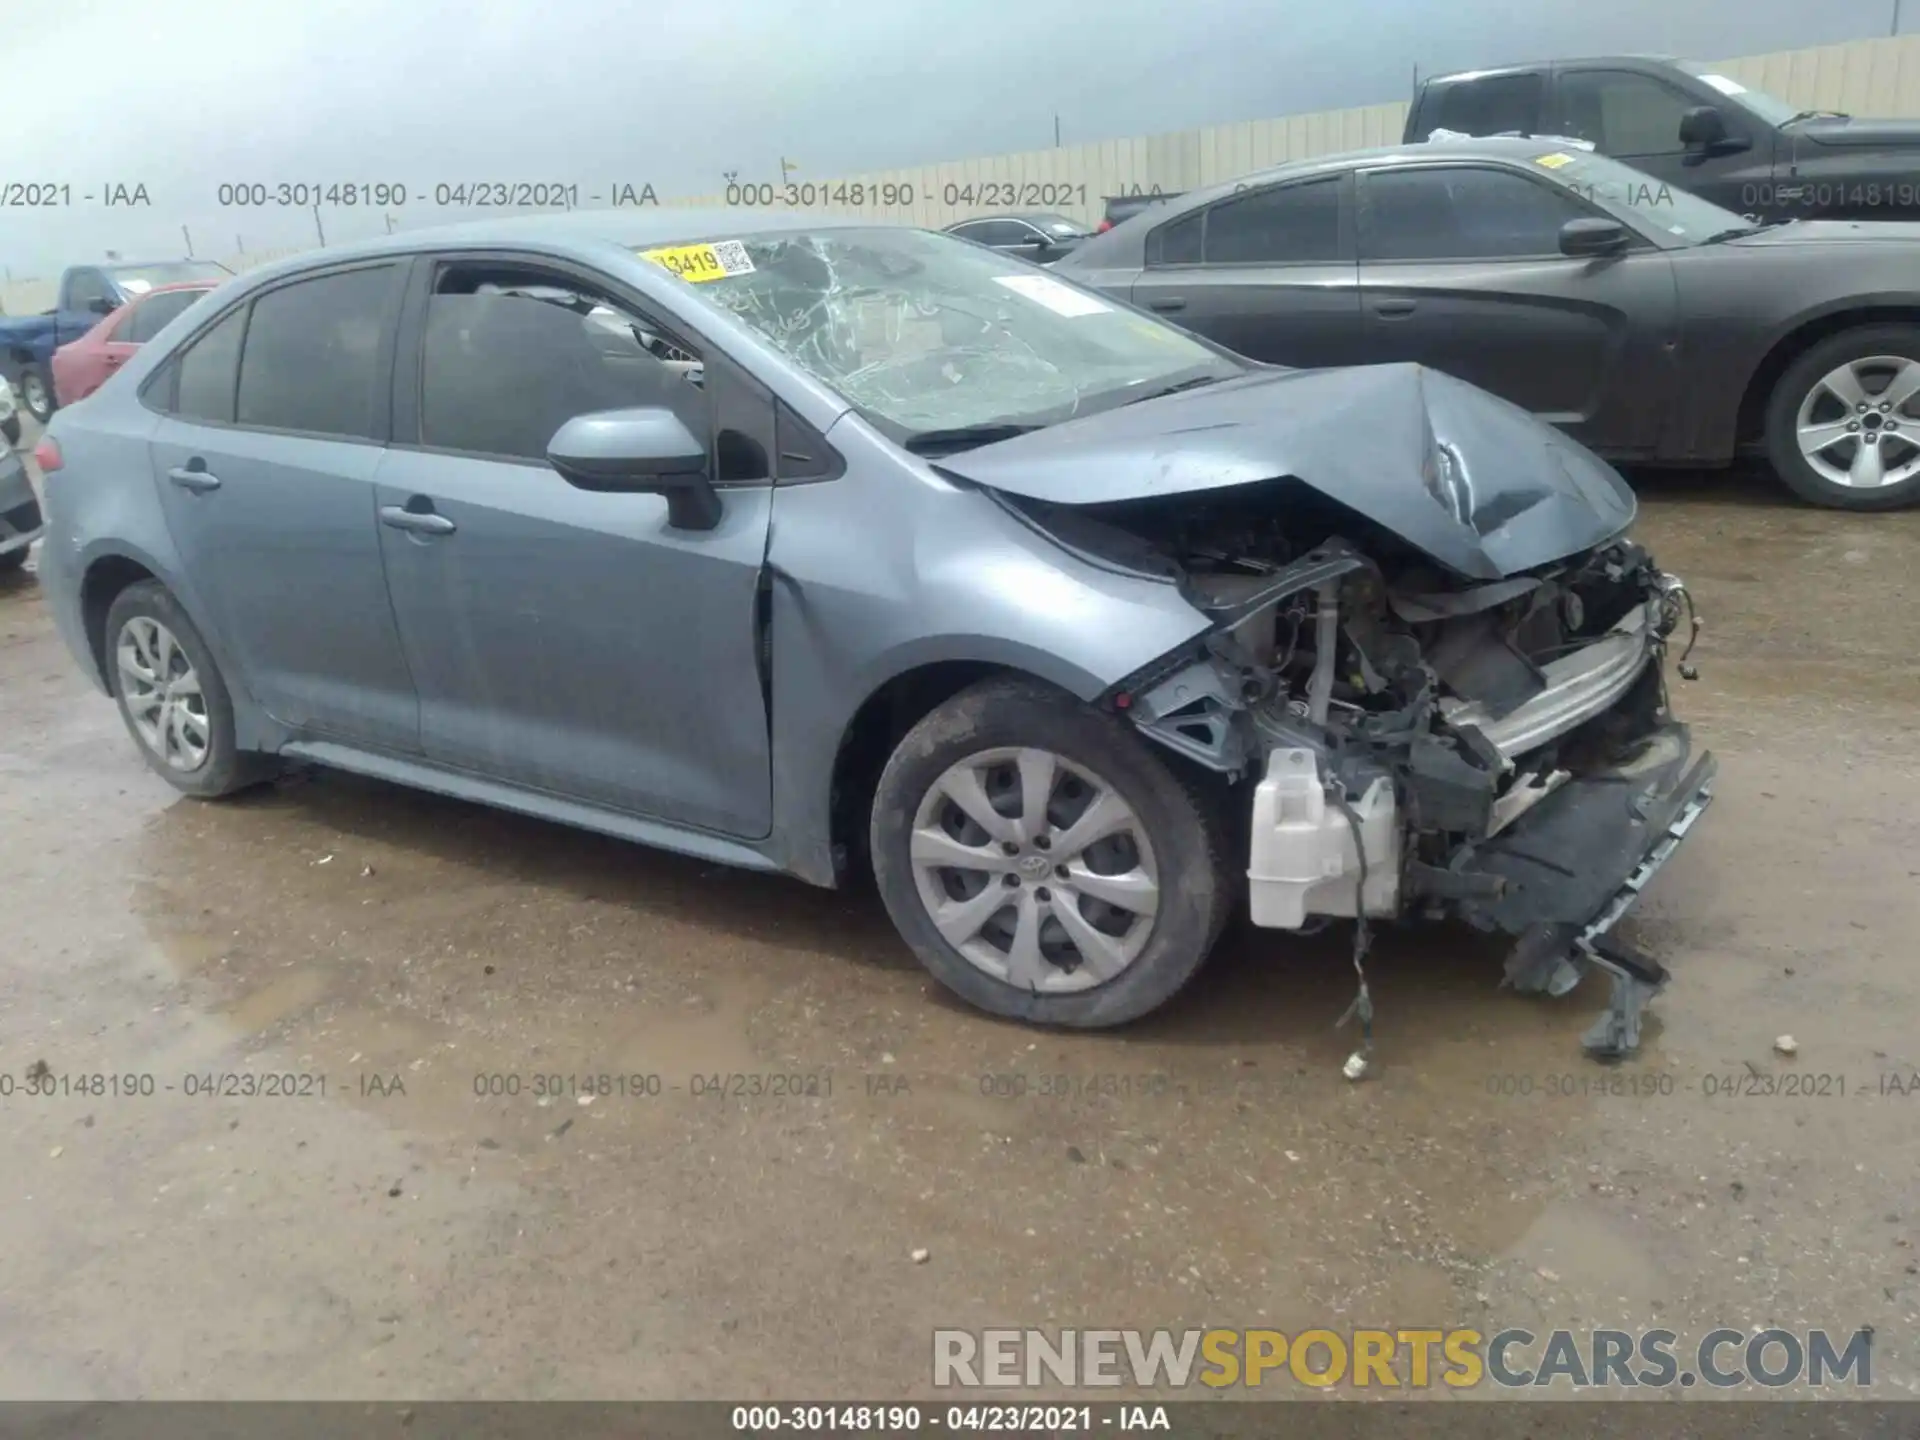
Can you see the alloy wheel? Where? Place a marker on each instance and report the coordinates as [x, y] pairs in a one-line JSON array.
[[1858, 426], [162, 693], [33, 393], [1035, 869]]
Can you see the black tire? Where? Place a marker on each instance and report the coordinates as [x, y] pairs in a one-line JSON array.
[[1783, 408], [226, 768], [13, 560], [10, 427], [35, 389], [1195, 884]]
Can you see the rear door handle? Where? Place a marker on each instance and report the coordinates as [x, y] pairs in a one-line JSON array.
[[420, 522], [1394, 309], [1166, 303], [188, 478]]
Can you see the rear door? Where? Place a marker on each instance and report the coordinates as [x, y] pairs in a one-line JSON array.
[[1269, 272], [265, 462], [1460, 269], [565, 639]]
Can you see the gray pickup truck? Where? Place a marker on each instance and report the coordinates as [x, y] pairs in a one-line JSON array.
[[1691, 127]]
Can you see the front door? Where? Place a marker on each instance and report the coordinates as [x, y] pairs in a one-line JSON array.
[[1635, 118], [1461, 270], [564, 639], [267, 487]]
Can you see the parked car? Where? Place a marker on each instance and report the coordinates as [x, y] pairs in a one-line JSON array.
[[1121, 208], [1034, 235], [1062, 620], [1645, 321], [87, 292], [19, 512], [9, 413], [82, 366], [1693, 128]]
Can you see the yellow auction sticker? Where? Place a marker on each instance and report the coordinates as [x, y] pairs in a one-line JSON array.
[[1554, 161], [698, 263]]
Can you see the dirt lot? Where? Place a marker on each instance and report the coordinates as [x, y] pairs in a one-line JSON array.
[[405, 1236]]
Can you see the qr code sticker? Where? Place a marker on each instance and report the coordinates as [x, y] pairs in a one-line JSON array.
[[732, 256]]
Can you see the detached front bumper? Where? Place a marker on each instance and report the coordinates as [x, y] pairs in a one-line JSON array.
[[1569, 870]]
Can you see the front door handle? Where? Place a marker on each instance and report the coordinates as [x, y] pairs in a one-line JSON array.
[[420, 522], [1393, 309], [189, 478], [1165, 303]]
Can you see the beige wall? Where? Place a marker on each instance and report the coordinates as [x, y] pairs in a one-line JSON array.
[[1866, 77]]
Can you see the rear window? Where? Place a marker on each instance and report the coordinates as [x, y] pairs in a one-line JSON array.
[[1489, 105], [313, 355]]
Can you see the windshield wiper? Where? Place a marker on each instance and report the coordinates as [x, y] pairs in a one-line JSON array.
[[964, 437], [1194, 384], [1740, 232], [1814, 115]]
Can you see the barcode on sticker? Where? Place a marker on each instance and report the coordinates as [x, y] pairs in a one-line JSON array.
[[732, 256]]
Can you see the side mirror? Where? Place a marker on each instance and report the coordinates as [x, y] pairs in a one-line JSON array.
[[101, 305], [1591, 235], [646, 451], [1703, 131]]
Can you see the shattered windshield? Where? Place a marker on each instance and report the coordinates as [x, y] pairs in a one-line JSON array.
[[924, 333]]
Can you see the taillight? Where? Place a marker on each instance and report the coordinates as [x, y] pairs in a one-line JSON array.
[[47, 455], [1104, 226]]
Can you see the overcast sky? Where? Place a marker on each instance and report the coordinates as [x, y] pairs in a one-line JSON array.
[[181, 95]]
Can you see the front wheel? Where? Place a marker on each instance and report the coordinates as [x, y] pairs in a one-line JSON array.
[[36, 393], [1042, 862], [1843, 423]]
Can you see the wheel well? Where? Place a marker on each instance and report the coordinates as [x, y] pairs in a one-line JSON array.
[[105, 579], [877, 727], [1795, 343]]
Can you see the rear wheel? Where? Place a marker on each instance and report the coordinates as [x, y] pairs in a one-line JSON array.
[[13, 560], [172, 696], [1843, 424], [1042, 863], [36, 393], [10, 427]]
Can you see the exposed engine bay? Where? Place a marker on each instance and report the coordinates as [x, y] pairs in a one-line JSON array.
[[1414, 744]]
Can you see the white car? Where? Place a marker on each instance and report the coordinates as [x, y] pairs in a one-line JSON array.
[[9, 413]]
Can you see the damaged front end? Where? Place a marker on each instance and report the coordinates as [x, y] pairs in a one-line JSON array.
[[1419, 745]]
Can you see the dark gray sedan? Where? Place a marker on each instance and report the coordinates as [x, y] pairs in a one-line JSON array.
[[1649, 323]]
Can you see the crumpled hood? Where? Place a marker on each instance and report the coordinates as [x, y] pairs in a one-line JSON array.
[[1367, 436]]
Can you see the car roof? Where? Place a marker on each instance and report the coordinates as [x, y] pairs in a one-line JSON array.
[[1479, 147], [626, 228], [1523, 67]]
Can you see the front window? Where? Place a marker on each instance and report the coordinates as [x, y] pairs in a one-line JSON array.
[[1769, 108], [138, 279], [1634, 195], [924, 333]]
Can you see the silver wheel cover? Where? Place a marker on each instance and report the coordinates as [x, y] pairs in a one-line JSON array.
[[1035, 870], [161, 693]]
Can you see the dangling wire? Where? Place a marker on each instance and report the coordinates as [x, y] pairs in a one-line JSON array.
[[1362, 1006]]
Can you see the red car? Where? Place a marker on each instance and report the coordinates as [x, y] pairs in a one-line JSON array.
[[82, 367]]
